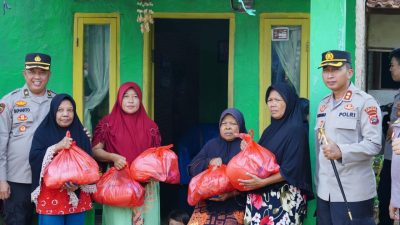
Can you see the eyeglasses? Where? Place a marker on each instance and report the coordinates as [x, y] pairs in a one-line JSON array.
[[41, 73]]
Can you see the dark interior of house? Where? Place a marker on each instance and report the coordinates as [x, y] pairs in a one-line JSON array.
[[190, 91]]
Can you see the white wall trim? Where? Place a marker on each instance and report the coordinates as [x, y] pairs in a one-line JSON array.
[[360, 52]]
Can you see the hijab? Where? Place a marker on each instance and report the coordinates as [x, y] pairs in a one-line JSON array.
[[127, 134], [226, 150], [49, 133], [287, 139], [218, 147]]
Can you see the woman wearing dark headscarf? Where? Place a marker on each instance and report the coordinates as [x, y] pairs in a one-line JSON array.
[[119, 138], [228, 208], [58, 206], [282, 197]]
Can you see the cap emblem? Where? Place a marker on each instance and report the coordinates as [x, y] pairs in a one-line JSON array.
[[329, 56], [38, 59]]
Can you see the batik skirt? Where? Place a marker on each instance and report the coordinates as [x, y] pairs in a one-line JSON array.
[[281, 205], [201, 216]]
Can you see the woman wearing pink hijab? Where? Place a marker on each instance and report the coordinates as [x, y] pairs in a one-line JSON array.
[[118, 139]]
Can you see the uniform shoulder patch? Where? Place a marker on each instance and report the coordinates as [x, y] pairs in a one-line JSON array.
[[2, 107], [372, 112]]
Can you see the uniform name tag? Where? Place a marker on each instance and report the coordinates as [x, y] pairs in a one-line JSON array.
[[19, 110], [347, 114]]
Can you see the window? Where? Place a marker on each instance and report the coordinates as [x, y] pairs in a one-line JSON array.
[[95, 65], [378, 73]]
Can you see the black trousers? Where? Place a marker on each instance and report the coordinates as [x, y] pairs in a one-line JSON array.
[[335, 213], [384, 190], [18, 208]]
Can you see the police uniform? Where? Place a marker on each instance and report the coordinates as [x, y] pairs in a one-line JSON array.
[[21, 112], [354, 124], [384, 186]]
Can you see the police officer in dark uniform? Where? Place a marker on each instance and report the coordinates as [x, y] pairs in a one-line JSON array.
[[21, 111], [351, 119]]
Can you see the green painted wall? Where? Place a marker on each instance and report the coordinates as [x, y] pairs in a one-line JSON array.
[[47, 26], [43, 26]]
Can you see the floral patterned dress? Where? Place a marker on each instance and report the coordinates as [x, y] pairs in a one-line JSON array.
[[280, 206]]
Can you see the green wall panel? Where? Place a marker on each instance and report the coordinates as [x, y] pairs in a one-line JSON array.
[[47, 26]]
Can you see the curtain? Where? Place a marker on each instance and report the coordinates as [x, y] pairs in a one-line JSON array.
[[289, 55], [96, 68]]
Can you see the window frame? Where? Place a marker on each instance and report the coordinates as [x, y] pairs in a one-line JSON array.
[[80, 20]]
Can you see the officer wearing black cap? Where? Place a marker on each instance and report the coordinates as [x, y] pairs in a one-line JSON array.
[[351, 120], [21, 111]]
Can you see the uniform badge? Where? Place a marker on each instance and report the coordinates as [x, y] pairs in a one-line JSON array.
[[374, 120], [372, 114], [349, 106], [348, 95], [20, 103], [48, 93], [22, 117], [322, 108], [2, 107], [26, 92], [321, 124], [22, 128]]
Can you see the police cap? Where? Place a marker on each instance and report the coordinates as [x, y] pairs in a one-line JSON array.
[[335, 58], [37, 60]]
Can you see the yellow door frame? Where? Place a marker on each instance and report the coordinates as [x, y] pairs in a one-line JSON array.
[[80, 20], [281, 19], [148, 67]]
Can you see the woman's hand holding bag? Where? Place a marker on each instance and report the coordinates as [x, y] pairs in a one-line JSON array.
[[71, 165], [253, 159]]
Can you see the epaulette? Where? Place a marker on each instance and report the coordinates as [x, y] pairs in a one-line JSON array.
[[326, 97], [15, 91], [7, 96], [364, 95]]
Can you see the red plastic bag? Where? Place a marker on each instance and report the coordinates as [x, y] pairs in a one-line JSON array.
[[211, 182], [160, 163], [117, 188], [254, 159], [71, 165]]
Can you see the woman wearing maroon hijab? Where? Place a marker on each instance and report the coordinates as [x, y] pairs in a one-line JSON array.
[[118, 139]]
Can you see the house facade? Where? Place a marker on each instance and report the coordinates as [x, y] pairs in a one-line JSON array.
[[198, 58]]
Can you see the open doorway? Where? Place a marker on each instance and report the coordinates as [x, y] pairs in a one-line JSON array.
[[190, 59]]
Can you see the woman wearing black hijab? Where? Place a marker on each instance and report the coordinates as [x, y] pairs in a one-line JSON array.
[[68, 204], [282, 197], [228, 208]]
